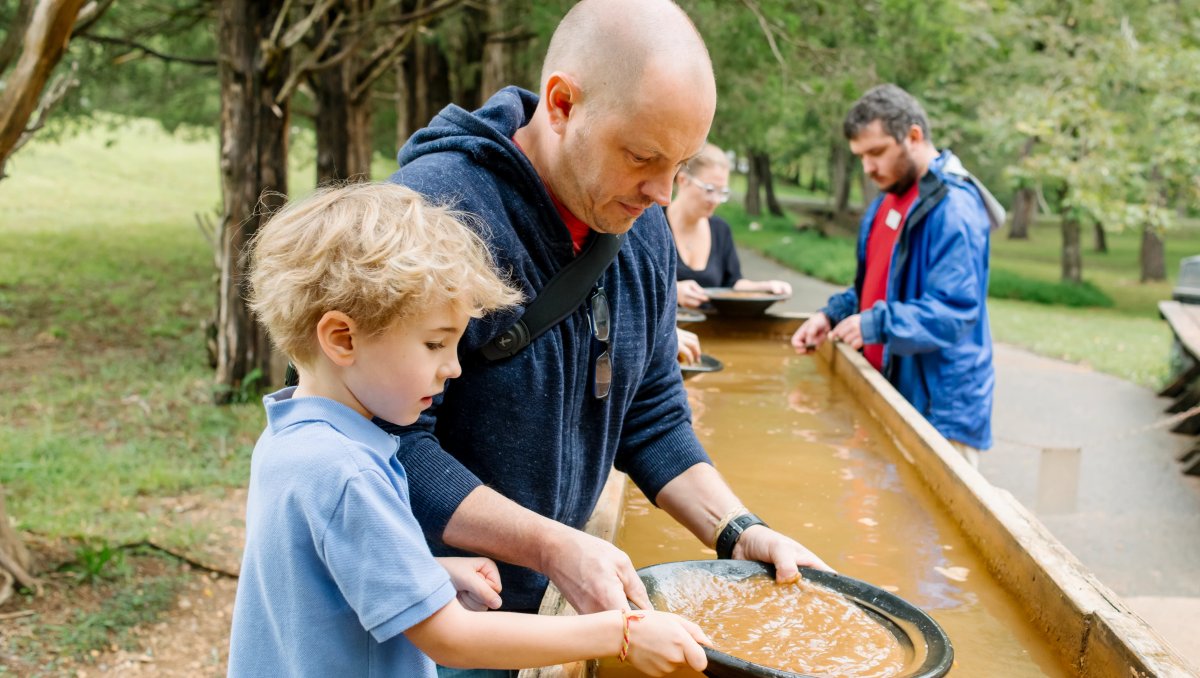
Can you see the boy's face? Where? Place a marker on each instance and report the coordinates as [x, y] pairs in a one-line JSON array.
[[396, 374]]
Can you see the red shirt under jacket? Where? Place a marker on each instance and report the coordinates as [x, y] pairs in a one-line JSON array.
[[885, 230]]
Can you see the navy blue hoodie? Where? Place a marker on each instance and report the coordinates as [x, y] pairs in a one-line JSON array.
[[529, 426]]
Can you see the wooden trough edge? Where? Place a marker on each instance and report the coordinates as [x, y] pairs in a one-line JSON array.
[[1088, 625]]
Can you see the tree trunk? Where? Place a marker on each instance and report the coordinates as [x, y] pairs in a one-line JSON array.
[[753, 201], [1072, 260], [404, 128], [343, 126], [839, 175], [46, 39], [763, 161], [361, 150], [1101, 238], [1024, 210], [464, 50], [430, 85], [1025, 201], [1154, 260], [332, 123], [15, 561], [506, 38], [254, 133], [1153, 256]]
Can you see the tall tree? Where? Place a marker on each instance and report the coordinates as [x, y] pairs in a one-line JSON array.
[[255, 42], [350, 48], [36, 38]]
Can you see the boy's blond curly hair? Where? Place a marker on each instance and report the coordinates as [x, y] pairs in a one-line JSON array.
[[374, 251]]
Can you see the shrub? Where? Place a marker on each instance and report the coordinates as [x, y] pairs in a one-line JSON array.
[[1008, 285]]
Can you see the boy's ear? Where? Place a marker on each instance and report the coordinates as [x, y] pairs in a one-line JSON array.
[[335, 334]]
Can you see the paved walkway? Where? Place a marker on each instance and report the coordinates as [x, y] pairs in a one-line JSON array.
[[1109, 488]]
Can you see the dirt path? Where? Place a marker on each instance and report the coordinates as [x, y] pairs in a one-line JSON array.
[[189, 638]]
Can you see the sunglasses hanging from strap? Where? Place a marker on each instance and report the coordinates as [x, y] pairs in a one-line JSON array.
[[558, 299]]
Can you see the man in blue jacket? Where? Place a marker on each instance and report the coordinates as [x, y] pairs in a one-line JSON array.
[[510, 460], [918, 307]]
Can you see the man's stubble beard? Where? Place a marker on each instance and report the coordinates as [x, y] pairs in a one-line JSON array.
[[906, 180]]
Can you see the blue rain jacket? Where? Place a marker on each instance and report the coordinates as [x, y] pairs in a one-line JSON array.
[[934, 322]]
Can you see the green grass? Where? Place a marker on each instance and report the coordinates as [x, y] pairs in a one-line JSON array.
[[830, 259], [1131, 347], [1110, 322], [105, 284]]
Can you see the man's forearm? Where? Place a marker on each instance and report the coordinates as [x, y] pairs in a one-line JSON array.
[[491, 525], [699, 499]]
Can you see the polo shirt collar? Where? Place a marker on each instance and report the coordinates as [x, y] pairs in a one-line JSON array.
[[283, 411]]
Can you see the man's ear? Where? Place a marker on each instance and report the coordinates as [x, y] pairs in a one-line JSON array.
[[915, 134], [561, 95], [336, 336]]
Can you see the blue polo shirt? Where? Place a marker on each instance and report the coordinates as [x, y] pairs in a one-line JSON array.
[[335, 567]]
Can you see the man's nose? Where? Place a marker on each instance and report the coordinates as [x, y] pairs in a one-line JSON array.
[[658, 188], [868, 166]]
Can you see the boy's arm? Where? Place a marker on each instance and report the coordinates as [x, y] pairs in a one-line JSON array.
[[456, 637]]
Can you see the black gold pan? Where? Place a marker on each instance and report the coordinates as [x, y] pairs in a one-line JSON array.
[[928, 649], [706, 363], [684, 316]]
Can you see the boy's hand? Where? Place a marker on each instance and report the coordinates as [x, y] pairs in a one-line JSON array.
[[661, 643], [477, 581]]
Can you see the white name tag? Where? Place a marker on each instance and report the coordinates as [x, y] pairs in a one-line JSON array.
[[893, 219]]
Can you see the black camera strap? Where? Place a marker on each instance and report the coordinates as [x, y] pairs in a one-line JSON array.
[[558, 299]]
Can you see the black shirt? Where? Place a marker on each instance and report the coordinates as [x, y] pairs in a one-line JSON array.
[[723, 268]]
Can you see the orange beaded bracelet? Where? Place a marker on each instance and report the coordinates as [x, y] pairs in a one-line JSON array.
[[626, 618]]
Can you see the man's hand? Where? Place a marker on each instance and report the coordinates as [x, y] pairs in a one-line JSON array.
[[592, 574], [689, 347], [477, 581], [849, 331], [786, 554], [690, 294], [810, 335]]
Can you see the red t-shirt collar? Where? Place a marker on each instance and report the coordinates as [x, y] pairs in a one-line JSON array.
[[575, 226]]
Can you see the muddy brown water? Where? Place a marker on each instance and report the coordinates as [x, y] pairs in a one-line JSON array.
[[810, 461]]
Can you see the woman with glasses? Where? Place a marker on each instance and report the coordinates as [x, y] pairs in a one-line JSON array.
[[703, 241]]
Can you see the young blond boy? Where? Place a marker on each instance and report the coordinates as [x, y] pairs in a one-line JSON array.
[[368, 290]]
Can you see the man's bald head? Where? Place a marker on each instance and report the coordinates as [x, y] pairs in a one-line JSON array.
[[610, 48]]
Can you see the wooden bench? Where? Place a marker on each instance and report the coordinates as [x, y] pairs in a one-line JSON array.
[[1184, 386]]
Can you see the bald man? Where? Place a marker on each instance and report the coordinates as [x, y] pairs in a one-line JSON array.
[[510, 460]]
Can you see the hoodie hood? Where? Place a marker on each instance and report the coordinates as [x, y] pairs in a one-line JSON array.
[[949, 164], [485, 136]]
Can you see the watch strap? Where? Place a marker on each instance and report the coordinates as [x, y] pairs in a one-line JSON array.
[[733, 532]]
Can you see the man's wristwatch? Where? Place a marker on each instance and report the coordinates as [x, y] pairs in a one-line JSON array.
[[733, 532]]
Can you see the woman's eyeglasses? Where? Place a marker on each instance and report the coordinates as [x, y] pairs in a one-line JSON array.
[[711, 192], [601, 327]]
